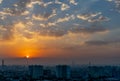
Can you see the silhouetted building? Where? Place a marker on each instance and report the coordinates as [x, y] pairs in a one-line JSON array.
[[36, 71], [47, 74], [63, 72]]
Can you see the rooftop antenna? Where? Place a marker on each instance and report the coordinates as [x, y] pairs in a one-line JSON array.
[[90, 64], [73, 64], [27, 57], [3, 64]]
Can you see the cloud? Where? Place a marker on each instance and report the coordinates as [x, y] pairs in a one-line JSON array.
[[88, 30], [1, 1], [117, 4], [65, 19], [64, 7], [25, 13], [6, 33], [96, 42], [28, 34], [51, 18], [102, 42], [87, 16], [47, 25], [92, 17], [32, 3], [23, 30], [45, 16], [40, 3], [73, 2], [99, 19], [52, 32], [58, 2], [21, 7], [26, 30], [18, 7], [39, 17], [48, 3], [54, 13], [2, 28], [3, 15]]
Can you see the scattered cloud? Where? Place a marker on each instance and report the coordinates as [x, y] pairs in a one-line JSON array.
[[1, 1], [97, 42], [73, 2], [65, 19], [92, 17], [6, 33], [58, 2], [27, 18], [39, 17], [101, 42], [88, 30], [64, 7], [117, 4], [52, 32]]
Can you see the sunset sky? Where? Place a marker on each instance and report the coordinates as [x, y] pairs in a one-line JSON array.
[[60, 31]]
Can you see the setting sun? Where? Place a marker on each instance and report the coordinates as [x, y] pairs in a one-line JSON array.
[[27, 56]]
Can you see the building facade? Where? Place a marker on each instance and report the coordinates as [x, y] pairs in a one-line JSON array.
[[36, 71], [63, 72]]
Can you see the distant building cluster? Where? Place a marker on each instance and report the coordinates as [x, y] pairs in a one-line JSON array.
[[59, 73]]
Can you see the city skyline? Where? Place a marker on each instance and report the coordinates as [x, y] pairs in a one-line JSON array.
[[60, 31]]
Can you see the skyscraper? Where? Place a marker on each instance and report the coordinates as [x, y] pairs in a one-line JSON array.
[[36, 71], [63, 72]]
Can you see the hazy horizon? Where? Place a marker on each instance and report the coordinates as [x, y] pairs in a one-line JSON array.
[[56, 61]]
